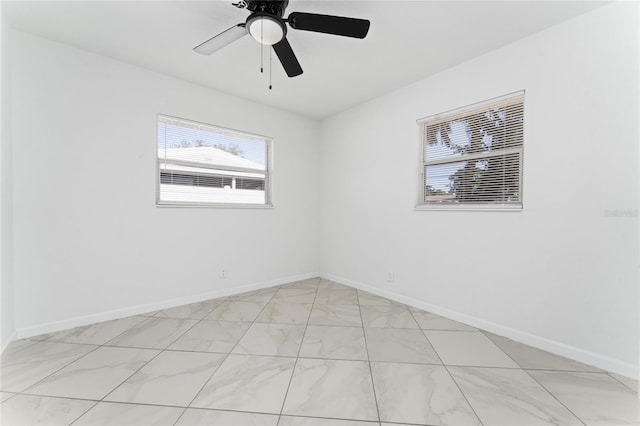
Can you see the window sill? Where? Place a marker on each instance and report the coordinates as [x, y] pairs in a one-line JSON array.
[[216, 206], [467, 207]]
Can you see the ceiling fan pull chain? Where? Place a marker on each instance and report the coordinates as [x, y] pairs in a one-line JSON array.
[[270, 69], [261, 48]]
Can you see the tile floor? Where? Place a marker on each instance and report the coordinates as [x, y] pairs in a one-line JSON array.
[[309, 353]]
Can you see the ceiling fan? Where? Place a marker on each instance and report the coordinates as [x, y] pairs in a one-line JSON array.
[[267, 26]]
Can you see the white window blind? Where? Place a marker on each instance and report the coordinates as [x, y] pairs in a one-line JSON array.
[[204, 165], [472, 157]]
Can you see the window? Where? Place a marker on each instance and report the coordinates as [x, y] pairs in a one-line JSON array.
[[472, 157], [204, 165]]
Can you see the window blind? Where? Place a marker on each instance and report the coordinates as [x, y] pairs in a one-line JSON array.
[[202, 164], [473, 156]]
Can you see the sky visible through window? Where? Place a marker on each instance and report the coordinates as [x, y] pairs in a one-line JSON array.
[[173, 136], [460, 137]]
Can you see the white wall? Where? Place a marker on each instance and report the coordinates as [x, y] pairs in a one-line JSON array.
[[562, 274], [7, 327], [90, 244]]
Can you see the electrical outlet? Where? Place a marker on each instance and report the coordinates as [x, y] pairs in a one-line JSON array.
[[224, 274], [390, 276]]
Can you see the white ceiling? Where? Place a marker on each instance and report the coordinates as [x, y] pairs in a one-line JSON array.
[[408, 41]]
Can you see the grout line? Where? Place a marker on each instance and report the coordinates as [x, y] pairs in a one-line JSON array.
[[449, 373], [462, 393], [555, 397], [429, 341], [9, 397], [146, 319], [63, 397], [226, 410], [621, 382], [366, 347], [85, 412], [295, 364], [161, 351], [75, 398], [61, 368], [132, 374], [339, 359], [373, 422], [512, 359], [221, 362]]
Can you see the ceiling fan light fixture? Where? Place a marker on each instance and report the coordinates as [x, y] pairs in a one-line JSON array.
[[266, 29]]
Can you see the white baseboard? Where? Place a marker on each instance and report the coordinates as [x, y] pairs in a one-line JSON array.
[[51, 327], [5, 343], [587, 357]]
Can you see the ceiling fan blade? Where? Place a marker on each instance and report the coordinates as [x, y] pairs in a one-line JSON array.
[[338, 25], [287, 58], [221, 40]]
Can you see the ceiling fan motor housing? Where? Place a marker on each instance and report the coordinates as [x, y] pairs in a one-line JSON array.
[[275, 7]]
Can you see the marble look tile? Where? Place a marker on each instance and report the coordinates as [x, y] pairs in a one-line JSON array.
[[271, 339], [596, 398], [5, 395], [368, 299], [262, 295], [248, 383], [394, 424], [468, 348], [333, 288], [532, 358], [42, 410], [211, 336], [337, 297], [40, 337], [387, 317], [154, 333], [400, 345], [172, 378], [18, 345], [109, 413], [94, 375], [315, 421], [308, 284], [331, 388], [196, 310], [327, 284], [429, 321], [96, 334], [334, 342], [285, 313], [236, 310], [196, 416], [295, 295], [335, 315], [628, 382], [422, 394], [23, 368], [510, 397]]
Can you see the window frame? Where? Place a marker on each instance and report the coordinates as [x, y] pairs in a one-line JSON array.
[[421, 204], [268, 173]]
